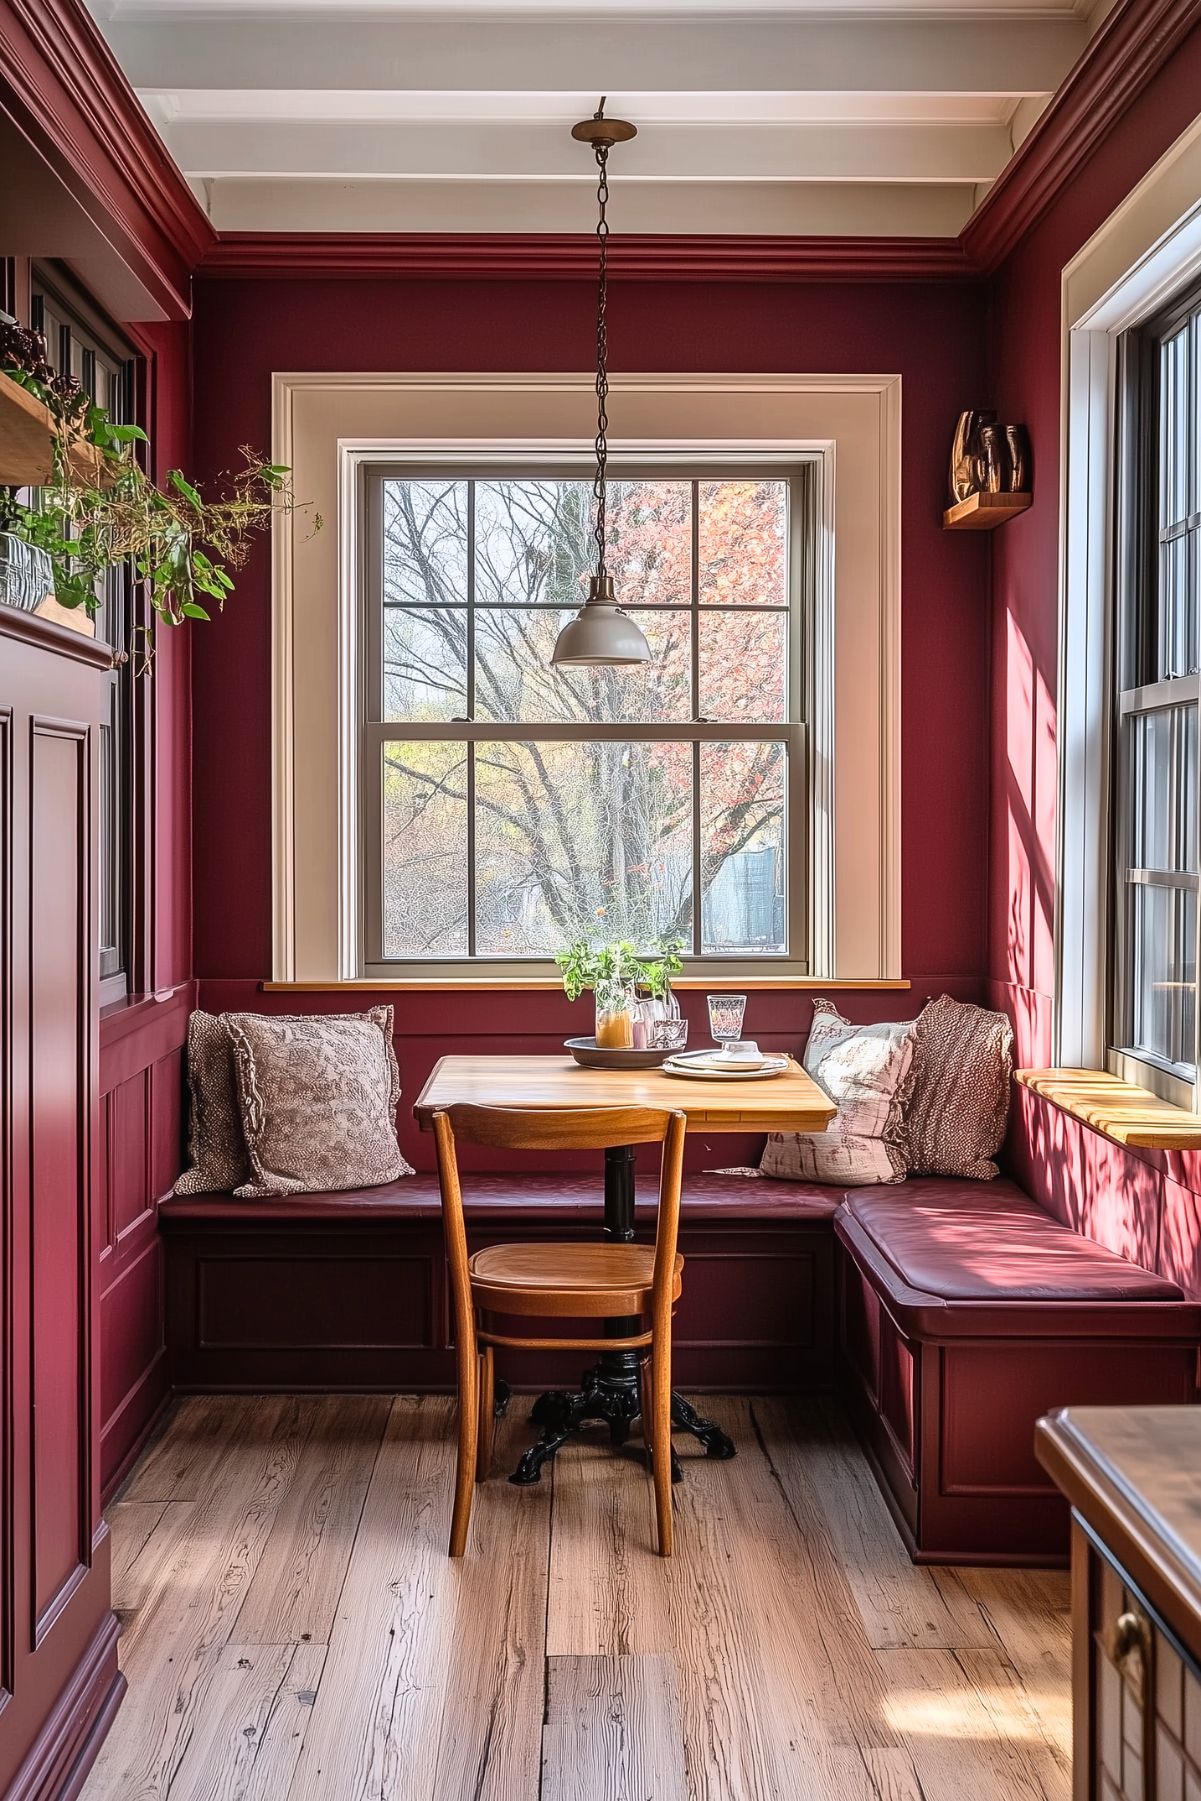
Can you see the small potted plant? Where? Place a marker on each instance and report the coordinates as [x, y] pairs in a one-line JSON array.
[[101, 511], [612, 973]]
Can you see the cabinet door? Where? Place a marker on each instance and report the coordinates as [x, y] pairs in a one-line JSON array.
[[1146, 1700], [57, 1633]]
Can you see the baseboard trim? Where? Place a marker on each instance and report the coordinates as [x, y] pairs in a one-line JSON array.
[[116, 1476], [66, 1747]]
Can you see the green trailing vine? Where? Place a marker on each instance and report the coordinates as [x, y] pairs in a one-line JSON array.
[[181, 546]]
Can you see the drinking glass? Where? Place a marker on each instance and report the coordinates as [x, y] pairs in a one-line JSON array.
[[725, 1018], [668, 1034]]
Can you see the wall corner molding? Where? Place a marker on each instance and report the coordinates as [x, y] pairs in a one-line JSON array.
[[553, 256], [1130, 47], [66, 94]]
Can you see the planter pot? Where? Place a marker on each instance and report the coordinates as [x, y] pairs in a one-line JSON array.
[[26, 574]]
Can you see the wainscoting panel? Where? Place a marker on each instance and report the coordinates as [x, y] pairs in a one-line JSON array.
[[141, 1082]]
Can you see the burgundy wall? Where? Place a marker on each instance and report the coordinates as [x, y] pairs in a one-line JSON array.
[[141, 1068], [1147, 1204], [933, 335]]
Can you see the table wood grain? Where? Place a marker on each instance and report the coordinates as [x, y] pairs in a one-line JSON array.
[[789, 1103]]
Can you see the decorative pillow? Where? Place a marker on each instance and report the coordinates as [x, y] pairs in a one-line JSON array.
[[864, 1069], [318, 1094], [958, 1102], [216, 1142]]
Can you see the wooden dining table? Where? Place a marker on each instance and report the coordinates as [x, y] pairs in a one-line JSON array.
[[790, 1102]]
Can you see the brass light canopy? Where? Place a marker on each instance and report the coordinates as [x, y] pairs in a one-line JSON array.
[[601, 636]]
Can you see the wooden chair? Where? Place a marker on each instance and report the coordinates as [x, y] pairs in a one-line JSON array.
[[564, 1281]]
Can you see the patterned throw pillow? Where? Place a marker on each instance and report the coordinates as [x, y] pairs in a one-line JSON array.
[[864, 1069], [216, 1143], [958, 1104], [318, 1094]]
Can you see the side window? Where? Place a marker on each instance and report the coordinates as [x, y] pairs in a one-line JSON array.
[[104, 369]]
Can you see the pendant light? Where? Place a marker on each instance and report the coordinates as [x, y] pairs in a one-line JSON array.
[[601, 636]]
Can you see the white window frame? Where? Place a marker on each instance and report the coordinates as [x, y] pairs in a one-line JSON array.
[[1146, 251], [326, 426]]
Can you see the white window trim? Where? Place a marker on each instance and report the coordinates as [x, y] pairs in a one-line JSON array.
[[326, 425], [1147, 250]]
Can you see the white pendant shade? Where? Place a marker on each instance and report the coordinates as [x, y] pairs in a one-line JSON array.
[[601, 636]]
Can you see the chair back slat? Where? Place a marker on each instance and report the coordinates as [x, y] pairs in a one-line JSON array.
[[558, 1128]]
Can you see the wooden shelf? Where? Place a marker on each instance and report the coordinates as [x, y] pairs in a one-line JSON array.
[[1120, 1110], [984, 512], [26, 434]]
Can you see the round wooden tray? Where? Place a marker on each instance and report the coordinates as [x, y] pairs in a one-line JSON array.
[[591, 1055]]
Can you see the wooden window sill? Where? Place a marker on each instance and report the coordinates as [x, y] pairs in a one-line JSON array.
[[1119, 1110], [500, 984]]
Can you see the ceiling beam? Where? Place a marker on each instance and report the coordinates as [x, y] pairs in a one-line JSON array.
[[538, 151], [861, 209], [970, 55]]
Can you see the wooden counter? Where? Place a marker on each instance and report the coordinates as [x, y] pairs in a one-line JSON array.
[[1133, 1477]]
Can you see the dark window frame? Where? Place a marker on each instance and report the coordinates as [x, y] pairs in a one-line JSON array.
[[79, 326], [375, 731]]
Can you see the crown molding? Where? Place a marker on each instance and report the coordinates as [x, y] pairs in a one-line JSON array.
[[1131, 45], [63, 89], [568, 257]]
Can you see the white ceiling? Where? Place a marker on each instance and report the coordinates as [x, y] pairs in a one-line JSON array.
[[869, 116]]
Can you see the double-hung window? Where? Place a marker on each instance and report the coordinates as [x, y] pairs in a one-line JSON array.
[[510, 807], [1158, 662]]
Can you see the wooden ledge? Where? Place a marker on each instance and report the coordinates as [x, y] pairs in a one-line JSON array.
[[554, 984], [1120, 1110]]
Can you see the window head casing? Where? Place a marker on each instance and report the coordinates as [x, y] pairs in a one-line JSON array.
[[509, 807]]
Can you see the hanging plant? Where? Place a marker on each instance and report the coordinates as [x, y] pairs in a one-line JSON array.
[[181, 545]]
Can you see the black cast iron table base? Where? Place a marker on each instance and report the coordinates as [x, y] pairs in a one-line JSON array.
[[609, 1392]]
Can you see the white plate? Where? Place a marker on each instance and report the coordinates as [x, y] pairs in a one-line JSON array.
[[697, 1073]]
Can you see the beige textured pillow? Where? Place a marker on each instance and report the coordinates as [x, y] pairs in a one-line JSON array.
[[318, 1094], [216, 1142], [864, 1070], [958, 1103]]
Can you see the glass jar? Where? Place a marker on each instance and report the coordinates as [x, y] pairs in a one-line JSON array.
[[26, 574], [615, 1013]]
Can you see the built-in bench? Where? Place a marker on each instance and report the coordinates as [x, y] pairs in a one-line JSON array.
[[965, 1313], [955, 1313], [349, 1290]]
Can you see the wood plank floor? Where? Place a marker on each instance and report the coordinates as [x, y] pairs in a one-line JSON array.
[[293, 1629]]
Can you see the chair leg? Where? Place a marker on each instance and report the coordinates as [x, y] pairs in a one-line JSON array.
[[660, 1398], [483, 1462], [469, 1412], [644, 1406]]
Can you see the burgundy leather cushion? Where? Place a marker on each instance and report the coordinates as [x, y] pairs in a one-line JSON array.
[[987, 1241], [706, 1197]]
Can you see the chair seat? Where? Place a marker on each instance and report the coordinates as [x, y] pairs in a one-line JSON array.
[[586, 1280]]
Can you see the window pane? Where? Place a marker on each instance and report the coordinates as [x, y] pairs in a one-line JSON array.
[[534, 542], [425, 663], [582, 841], [743, 543], [424, 850], [743, 665], [425, 542], [1164, 746], [1175, 427], [1165, 972], [1177, 613], [743, 905], [516, 681]]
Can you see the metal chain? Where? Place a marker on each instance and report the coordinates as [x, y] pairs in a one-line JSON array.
[[602, 358]]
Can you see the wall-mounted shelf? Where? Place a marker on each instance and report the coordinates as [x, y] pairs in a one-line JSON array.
[[984, 512], [26, 434]]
